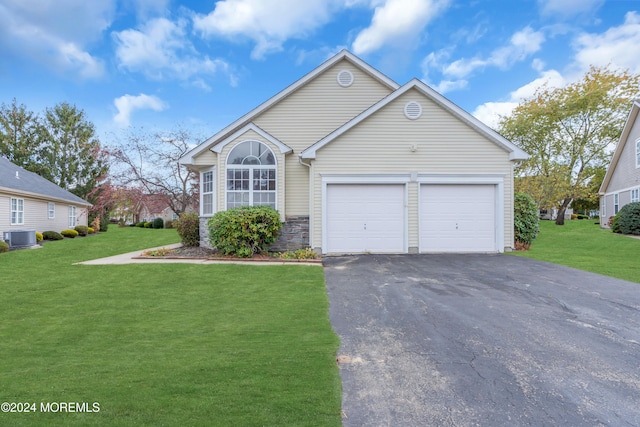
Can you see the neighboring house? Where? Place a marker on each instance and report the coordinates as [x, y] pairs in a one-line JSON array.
[[356, 163], [156, 206], [31, 202], [552, 213], [621, 184]]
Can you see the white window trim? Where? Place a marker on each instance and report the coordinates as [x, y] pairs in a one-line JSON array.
[[213, 193], [637, 195], [616, 203], [72, 217], [638, 153], [19, 211], [51, 210], [250, 168]]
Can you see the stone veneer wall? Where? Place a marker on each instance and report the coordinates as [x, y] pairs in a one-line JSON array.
[[294, 234]]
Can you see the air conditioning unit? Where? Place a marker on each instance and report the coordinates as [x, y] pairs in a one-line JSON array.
[[20, 238]]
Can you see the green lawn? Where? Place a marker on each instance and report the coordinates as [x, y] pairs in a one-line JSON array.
[[166, 344], [585, 246]]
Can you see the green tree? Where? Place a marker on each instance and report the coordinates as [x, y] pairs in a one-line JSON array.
[[73, 157], [590, 200], [567, 131], [20, 140]]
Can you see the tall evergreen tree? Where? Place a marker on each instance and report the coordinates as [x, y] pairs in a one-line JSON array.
[[20, 140]]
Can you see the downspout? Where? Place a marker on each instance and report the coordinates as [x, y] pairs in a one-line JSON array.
[[310, 199]]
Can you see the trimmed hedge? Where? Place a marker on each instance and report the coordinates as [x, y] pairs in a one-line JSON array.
[[158, 223], [244, 231], [82, 230], [627, 220], [69, 233], [526, 222], [188, 227], [52, 235]]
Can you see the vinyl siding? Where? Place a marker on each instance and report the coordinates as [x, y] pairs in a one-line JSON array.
[[626, 174], [312, 112], [382, 143], [36, 215]]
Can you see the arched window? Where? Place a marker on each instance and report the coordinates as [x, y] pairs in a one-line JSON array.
[[251, 175]]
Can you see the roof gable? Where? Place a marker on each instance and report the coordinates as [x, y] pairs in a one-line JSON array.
[[188, 158], [13, 178], [515, 153], [251, 126], [622, 142]]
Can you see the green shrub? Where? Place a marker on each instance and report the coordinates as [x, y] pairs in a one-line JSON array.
[[627, 220], [158, 223], [104, 223], [168, 224], [69, 233], [526, 222], [82, 230], [140, 224], [148, 224], [188, 226], [299, 254], [244, 231], [90, 230], [4, 246], [39, 237], [52, 235]]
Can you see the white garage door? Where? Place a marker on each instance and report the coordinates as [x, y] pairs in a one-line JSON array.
[[458, 218], [365, 218]]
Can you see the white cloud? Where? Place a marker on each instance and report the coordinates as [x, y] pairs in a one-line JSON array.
[[127, 104], [616, 47], [397, 22], [268, 23], [521, 45], [160, 49], [568, 8], [56, 32], [491, 112]]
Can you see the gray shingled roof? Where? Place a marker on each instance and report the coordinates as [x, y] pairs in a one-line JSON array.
[[33, 183]]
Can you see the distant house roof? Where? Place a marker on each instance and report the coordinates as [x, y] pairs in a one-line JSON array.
[[14, 179]]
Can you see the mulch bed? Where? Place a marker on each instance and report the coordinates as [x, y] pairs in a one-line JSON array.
[[209, 254]]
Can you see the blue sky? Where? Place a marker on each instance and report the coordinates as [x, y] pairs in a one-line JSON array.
[[160, 64]]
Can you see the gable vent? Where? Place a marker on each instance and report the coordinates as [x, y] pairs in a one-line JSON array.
[[345, 78], [413, 110]]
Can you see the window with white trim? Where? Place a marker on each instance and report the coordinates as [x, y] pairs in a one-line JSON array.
[[72, 216], [604, 207], [51, 210], [616, 203], [207, 191], [635, 195], [251, 175], [17, 211], [638, 153]]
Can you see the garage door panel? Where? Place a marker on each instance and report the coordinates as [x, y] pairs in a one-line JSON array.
[[457, 218], [365, 218]]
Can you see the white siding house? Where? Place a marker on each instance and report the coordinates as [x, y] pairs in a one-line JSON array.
[[356, 163], [30, 202]]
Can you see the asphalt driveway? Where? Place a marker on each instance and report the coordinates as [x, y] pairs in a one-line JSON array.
[[483, 340]]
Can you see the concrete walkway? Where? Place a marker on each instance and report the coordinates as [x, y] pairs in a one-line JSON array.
[[134, 258]]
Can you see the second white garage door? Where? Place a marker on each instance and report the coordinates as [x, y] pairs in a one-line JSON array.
[[458, 218], [365, 218]]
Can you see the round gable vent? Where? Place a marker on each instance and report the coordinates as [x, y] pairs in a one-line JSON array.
[[413, 110], [345, 78]]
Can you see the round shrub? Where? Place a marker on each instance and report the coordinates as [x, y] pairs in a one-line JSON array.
[[39, 237], [82, 230], [158, 223], [244, 231], [188, 227], [526, 222], [69, 233], [4, 246], [90, 230], [627, 220], [140, 224], [52, 235], [148, 224]]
